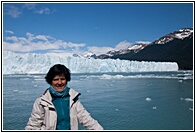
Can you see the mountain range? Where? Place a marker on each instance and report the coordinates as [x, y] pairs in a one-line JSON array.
[[173, 47]]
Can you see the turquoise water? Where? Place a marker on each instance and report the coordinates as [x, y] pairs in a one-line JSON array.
[[119, 101]]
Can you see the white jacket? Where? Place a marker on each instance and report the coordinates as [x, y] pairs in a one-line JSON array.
[[44, 116]]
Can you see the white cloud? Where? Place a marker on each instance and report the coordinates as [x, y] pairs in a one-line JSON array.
[[12, 38], [13, 47], [31, 42], [23, 40], [42, 37], [9, 31], [122, 45], [76, 45], [60, 52], [16, 11], [99, 50], [30, 36], [44, 10], [40, 42], [30, 6], [13, 11], [144, 42], [102, 50], [50, 38]]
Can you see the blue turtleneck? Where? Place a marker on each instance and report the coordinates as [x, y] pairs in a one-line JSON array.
[[61, 103]]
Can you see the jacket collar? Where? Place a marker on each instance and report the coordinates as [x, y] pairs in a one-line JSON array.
[[47, 98]]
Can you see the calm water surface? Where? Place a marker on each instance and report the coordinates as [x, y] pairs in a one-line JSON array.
[[119, 101]]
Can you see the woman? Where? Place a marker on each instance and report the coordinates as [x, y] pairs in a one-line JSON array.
[[59, 108]]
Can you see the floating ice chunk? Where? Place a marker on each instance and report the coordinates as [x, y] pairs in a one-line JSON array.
[[117, 109], [188, 99], [107, 76], [185, 76], [180, 81], [148, 99], [24, 78], [119, 76], [154, 107], [39, 79], [15, 90], [191, 109]]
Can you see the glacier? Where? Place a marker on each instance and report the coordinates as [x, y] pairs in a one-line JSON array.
[[34, 63]]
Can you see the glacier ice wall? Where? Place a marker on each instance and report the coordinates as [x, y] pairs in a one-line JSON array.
[[31, 63]]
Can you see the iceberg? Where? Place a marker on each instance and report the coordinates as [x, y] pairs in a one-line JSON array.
[[34, 63]]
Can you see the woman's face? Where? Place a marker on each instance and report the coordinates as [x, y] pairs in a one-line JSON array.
[[59, 82]]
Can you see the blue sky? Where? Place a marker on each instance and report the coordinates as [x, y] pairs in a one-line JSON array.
[[89, 27]]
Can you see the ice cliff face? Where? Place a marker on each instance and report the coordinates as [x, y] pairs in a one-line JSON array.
[[31, 63]]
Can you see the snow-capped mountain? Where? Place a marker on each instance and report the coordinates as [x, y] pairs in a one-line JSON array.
[[90, 55], [180, 34], [137, 47], [134, 48], [176, 47]]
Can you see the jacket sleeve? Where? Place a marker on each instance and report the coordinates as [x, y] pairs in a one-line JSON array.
[[85, 118], [37, 117]]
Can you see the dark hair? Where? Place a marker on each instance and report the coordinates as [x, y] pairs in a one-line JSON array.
[[57, 69]]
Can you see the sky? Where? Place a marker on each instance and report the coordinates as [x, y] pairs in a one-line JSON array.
[[79, 28]]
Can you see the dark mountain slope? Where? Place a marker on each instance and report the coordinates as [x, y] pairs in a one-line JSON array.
[[177, 50]]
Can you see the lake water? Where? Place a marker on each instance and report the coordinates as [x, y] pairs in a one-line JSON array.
[[119, 101]]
